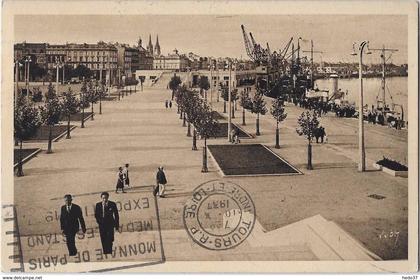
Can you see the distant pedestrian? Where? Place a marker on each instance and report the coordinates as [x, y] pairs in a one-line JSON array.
[[166, 104], [232, 135], [170, 104], [70, 218], [322, 134], [127, 179], [236, 137], [161, 181], [120, 180]]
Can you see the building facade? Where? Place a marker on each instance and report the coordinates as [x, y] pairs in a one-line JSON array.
[[128, 60], [37, 54], [174, 61], [100, 58]]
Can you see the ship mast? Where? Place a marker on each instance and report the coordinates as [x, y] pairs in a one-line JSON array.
[[383, 51]]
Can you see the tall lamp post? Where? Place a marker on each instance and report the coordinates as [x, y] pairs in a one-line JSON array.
[[211, 68], [229, 102], [82, 97], [17, 65], [28, 61], [362, 155], [57, 64]]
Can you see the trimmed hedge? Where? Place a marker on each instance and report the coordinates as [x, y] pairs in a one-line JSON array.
[[392, 164]]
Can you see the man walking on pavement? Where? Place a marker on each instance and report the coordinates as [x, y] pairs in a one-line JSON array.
[[106, 214], [161, 181], [70, 218]]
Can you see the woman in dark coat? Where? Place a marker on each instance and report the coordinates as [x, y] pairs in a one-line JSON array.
[[120, 180]]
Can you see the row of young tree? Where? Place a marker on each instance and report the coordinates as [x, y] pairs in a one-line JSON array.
[[197, 115], [28, 118], [308, 121]]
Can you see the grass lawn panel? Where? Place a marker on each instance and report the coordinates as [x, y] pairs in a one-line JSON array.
[[223, 131], [43, 131], [25, 153], [252, 159], [110, 98], [76, 117], [218, 116]]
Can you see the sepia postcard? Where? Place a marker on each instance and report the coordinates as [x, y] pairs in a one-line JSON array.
[[209, 136]]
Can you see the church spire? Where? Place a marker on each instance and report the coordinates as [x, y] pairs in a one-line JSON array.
[[139, 43], [157, 46], [150, 45]]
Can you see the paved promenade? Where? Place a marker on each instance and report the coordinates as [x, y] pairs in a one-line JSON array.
[[139, 130]]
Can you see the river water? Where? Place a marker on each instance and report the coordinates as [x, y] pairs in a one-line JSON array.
[[396, 87]]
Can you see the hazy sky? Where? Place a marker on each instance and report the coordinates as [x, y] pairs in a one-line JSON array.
[[222, 35]]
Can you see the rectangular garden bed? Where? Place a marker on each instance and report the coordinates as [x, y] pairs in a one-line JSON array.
[[42, 133], [223, 127], [216, 115], [76, 117], [27, 154], [248, 160], [392, 167]]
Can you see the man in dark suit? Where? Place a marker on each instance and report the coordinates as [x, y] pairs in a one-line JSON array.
[[106, 214], [70, 218]]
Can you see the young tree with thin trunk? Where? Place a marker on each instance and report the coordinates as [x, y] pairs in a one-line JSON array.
[[70, 107], [100, 92], [174, 83], [84, 103], [191, 106], [277, 111], [224, 90], [233, 97], [50, 114], [308, 122], [207, 126], [259, 108], [26, 123], [204, 85], [246, 103], [92, 96], [50, 91]]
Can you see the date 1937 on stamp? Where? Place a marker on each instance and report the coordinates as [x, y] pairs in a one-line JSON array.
[[220, 215]]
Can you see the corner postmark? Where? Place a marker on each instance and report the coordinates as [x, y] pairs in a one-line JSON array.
[[220, 215]]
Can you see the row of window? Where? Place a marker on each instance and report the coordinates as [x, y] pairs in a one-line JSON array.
[[93, 66]]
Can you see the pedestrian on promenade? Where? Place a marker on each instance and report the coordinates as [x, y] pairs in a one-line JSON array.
[[120, 180], [236, 137], [106, 215], [322, 134], [126, 178], [161, 181], [166, 104], [232, 135], [170, 104], [70, 218]]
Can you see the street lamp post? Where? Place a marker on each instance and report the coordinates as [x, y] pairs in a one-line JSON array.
[[17, 64], [27, 68], [58, 64], [211, 83], [362, 155], [229, 103], [100, 99]]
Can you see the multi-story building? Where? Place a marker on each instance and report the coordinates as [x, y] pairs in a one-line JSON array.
[[101, 58], [145, 58], [174, 61], [36, 51], [128, 60]]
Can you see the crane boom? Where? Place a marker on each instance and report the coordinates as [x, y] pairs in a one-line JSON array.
[[248, 47]]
